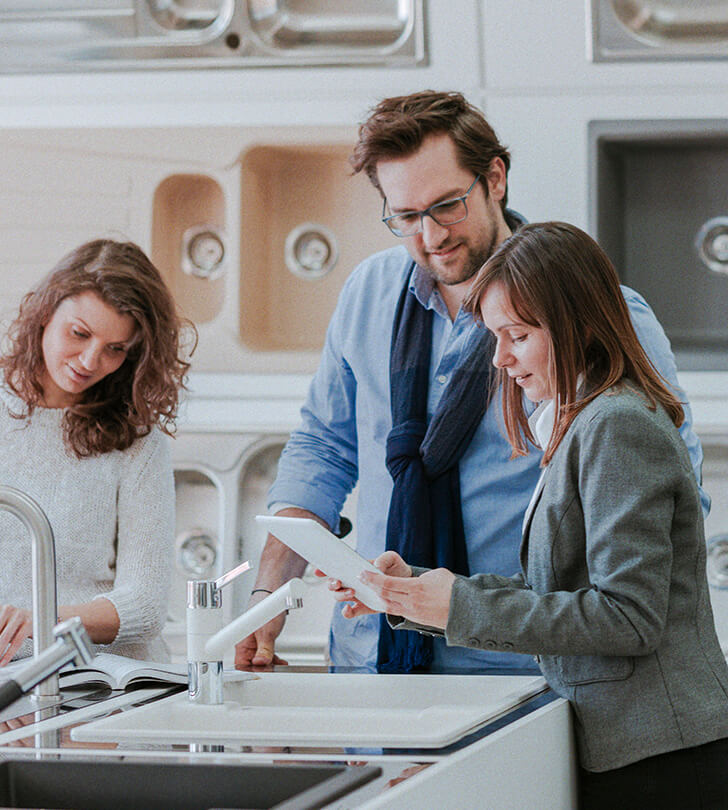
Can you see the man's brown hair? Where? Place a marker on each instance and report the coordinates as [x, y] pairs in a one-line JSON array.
[[397, 127]]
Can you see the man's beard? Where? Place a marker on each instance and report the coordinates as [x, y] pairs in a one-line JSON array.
[[473, 263]]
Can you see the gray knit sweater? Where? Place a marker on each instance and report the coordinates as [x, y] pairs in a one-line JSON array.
[[113, 521]]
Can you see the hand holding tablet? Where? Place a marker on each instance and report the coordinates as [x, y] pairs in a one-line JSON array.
[[327, 552]]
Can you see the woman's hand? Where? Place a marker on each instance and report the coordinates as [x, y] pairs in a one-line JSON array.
[[390, 563], [424, 599], [16, 624]]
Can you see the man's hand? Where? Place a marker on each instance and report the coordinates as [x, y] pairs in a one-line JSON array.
[[258, 649]]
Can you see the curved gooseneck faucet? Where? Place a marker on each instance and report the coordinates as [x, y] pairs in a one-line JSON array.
[[45, 602]]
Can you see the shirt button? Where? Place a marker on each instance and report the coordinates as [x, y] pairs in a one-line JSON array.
[[442, 378], [474, 641]]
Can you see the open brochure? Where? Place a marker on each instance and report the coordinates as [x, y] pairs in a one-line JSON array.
[[118, 672]]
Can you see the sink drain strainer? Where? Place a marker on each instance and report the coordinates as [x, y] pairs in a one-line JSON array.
[[311, 250], [203, 252], [712, 244]]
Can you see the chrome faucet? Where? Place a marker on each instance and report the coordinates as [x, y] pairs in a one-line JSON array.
[[72, 646], [208, 639], [45, 602]]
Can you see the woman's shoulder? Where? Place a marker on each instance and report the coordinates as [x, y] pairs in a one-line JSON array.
[[153, 445], [625, 410], [622, 398]]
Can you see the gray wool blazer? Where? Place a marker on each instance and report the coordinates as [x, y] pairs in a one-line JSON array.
[[613, 596]]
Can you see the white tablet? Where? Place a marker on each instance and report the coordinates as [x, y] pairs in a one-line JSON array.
[[326, 551]]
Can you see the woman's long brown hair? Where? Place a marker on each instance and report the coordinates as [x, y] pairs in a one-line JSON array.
[[557, 278], [145, 390]]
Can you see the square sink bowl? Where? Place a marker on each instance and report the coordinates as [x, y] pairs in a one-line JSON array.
[[314, 710], [118, 785]]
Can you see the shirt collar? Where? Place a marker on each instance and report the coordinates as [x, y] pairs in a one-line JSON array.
[[541, 422], [422, 286]]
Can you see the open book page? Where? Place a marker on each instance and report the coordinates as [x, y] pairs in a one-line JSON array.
[[118, 672]]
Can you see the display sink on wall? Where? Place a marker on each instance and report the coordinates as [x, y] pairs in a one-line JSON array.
[[305, 224], [300, 235], [657, 29], [254, 229], [58, 35], [221, 483], [658, 207]]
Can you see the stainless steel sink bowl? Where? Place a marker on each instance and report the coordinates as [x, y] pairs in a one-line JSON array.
[[66, 35], [119, 785], [657, 29]]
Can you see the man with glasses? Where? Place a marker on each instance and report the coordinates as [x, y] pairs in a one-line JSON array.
[[401, 402]]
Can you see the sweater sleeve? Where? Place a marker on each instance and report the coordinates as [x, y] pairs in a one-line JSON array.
[[145, 539]]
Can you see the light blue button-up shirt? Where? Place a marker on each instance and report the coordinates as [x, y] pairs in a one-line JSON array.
[[346, 419]]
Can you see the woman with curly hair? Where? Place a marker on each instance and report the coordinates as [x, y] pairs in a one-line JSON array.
[[91, 376]]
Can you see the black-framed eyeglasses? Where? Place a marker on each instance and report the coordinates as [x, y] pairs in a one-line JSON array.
[[445, 213]]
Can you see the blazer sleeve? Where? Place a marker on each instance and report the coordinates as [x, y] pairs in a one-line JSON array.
[[625, 477]]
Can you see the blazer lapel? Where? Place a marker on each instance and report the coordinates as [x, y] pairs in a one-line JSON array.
[[528, 516]]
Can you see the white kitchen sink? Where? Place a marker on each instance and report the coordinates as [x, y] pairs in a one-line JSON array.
[[305, 709]]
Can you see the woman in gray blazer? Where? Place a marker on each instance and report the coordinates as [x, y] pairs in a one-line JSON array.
[[612, 597]]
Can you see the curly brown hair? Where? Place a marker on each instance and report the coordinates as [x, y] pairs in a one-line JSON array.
[[144, 391], [397, 126]]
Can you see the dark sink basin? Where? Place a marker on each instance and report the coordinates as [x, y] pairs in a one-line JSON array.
[[118, 785]]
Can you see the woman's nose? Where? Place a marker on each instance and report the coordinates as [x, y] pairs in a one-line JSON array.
[[501, 358], [90, 358]]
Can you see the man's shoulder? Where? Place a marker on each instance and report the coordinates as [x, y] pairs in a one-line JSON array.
[[634, 300], [388, 268]]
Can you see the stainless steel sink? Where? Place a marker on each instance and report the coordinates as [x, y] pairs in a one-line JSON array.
[[658, 29], [119, 785], [64, 35]]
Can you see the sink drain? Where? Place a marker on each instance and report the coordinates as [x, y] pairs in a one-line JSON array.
[[311, 250], [712, 244], [203, 252]]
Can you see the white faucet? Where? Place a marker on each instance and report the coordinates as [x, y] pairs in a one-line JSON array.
[[45, 603], [208, 640]]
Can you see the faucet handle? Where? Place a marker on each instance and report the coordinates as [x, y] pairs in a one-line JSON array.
[[73, 633], [205, 593], [227, 578]]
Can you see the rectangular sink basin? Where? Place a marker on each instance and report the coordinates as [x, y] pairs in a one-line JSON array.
[[116, 785], [304, 710], [658, 29]]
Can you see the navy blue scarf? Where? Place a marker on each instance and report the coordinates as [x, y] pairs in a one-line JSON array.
[[425, 523]]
